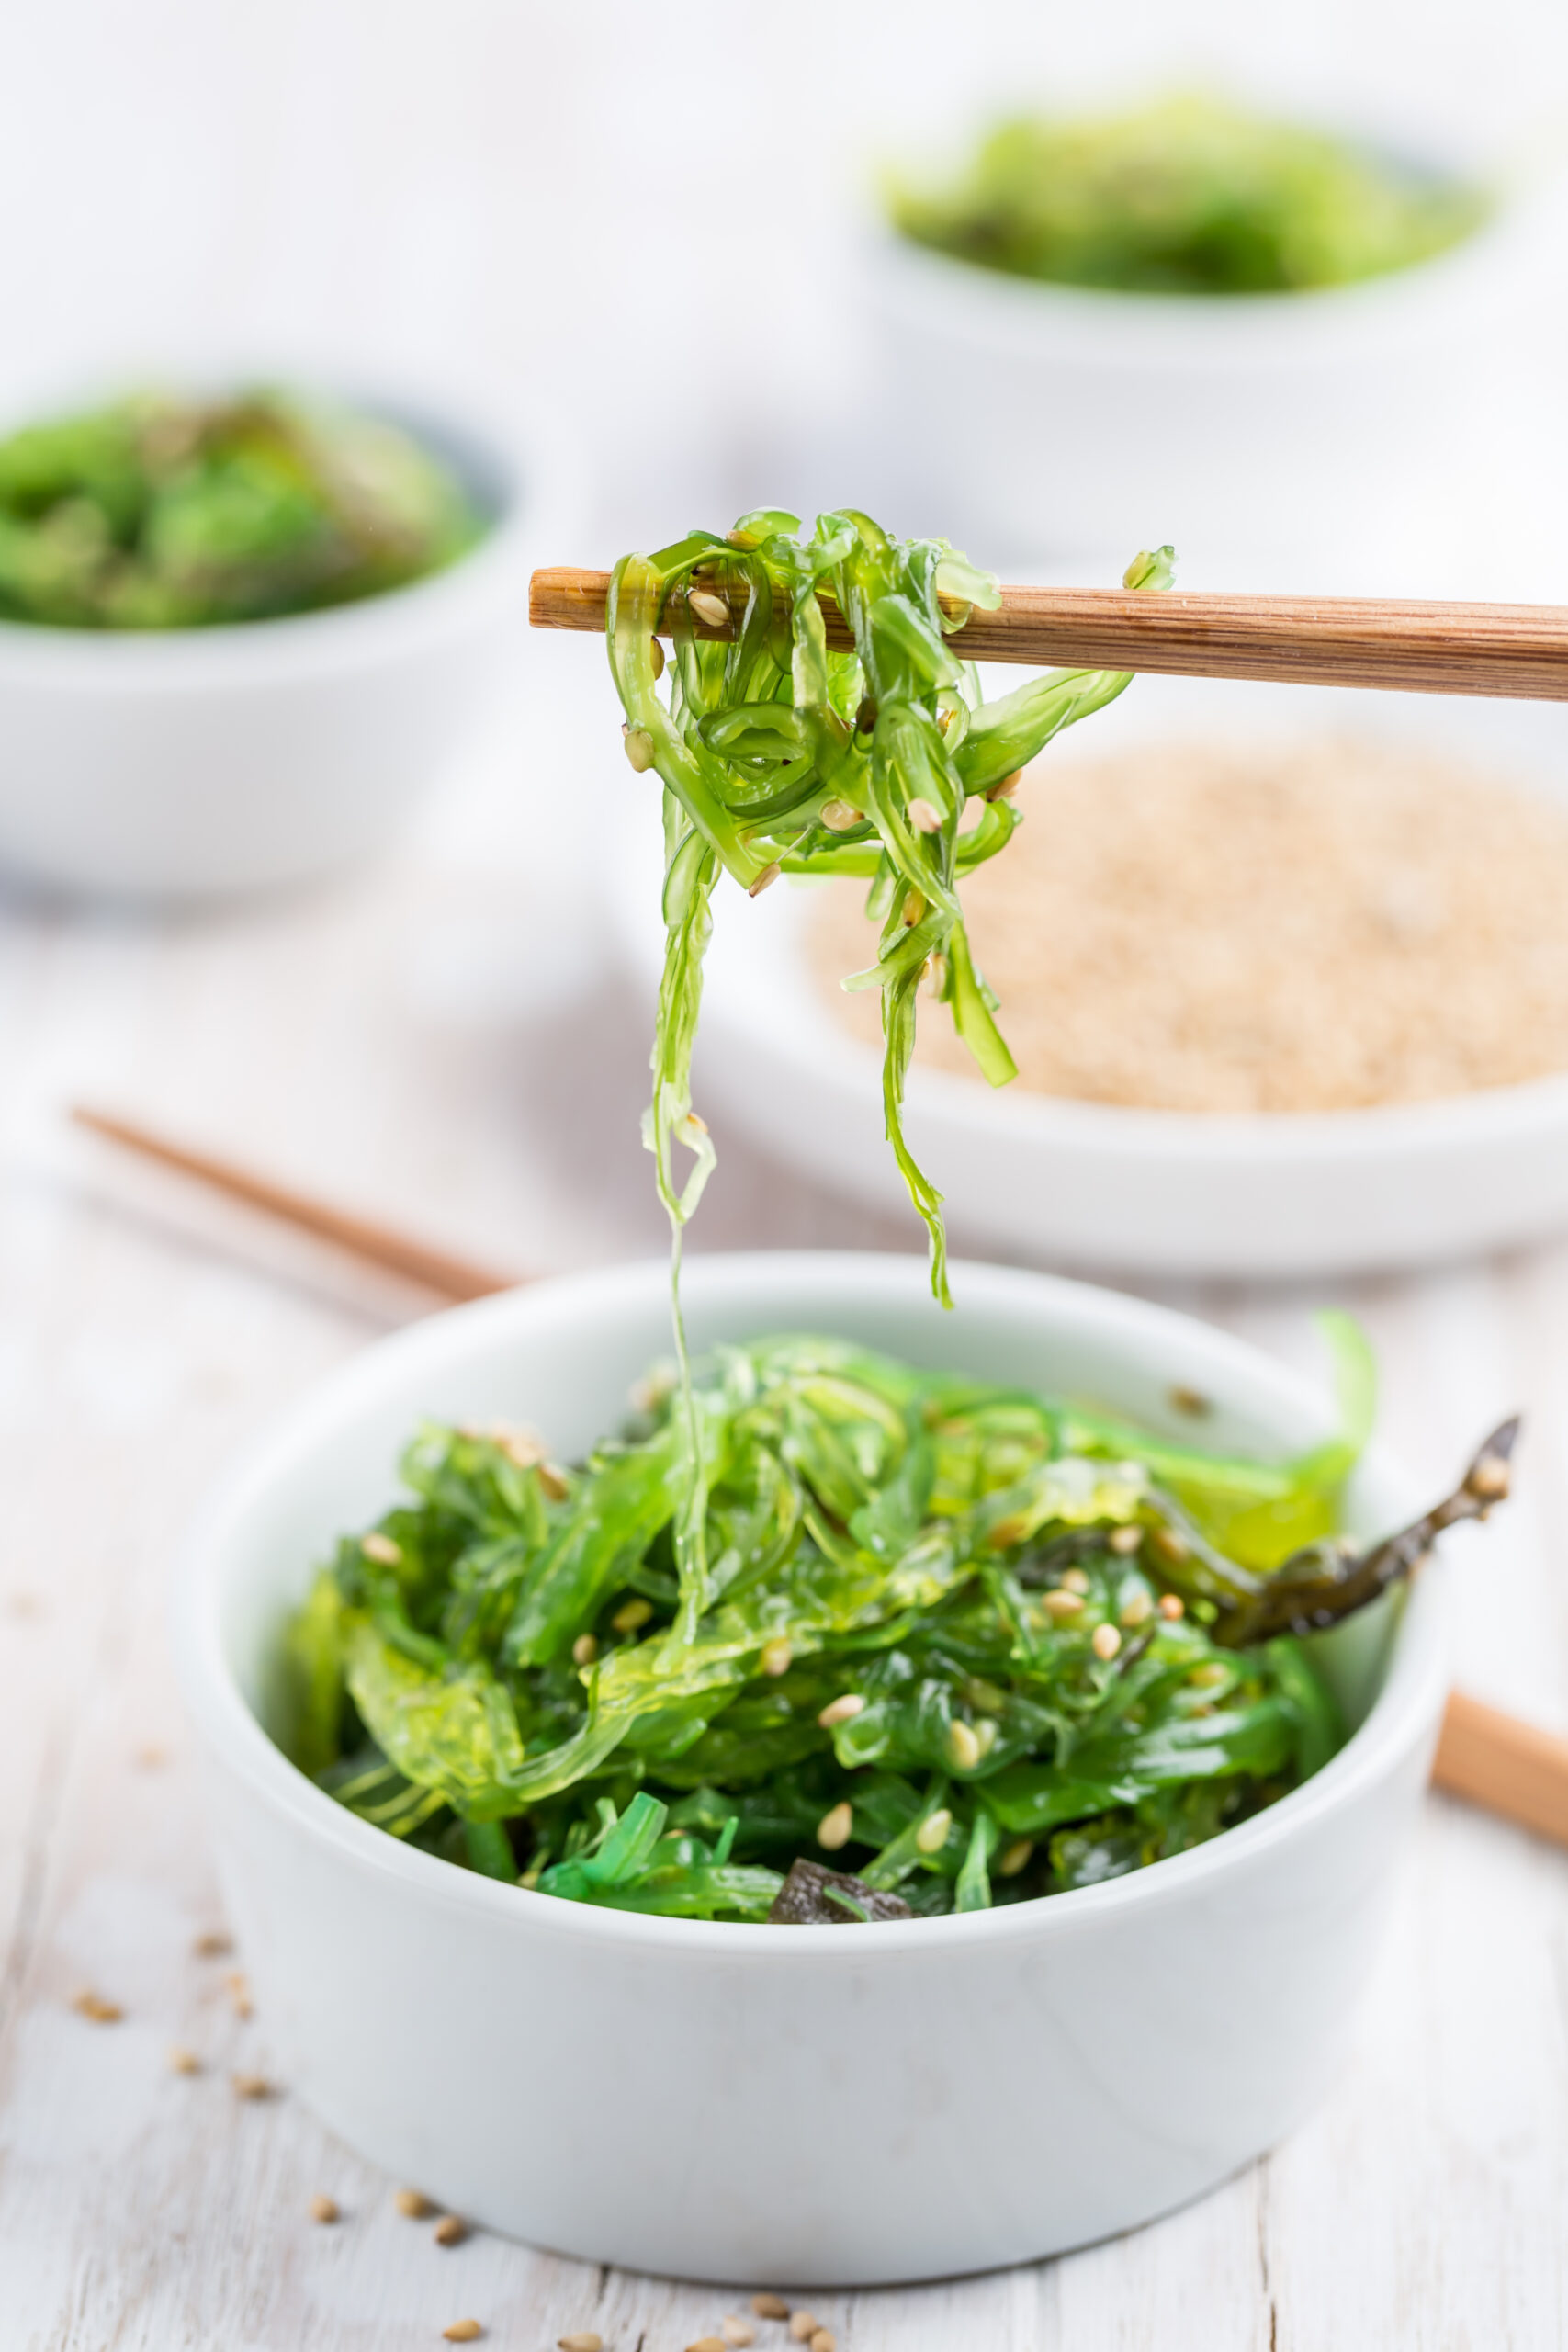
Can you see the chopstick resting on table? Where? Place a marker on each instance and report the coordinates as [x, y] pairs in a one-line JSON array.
[[380, 1245], [1518, 650], [1490, 1759]]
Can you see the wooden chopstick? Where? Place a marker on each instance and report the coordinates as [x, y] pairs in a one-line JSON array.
[[1505, 1765], [380, 1245], [1519, 650], [1491, 1760]]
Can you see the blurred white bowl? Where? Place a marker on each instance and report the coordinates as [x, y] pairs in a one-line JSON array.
[[771, 2104], [194, 763], [1076, 424], [1097, 1184]]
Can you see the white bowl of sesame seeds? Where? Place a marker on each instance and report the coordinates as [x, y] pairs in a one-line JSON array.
[[764, 2104], [1081, 1174]]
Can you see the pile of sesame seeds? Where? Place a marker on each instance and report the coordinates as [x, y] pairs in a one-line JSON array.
[[1213, 927]]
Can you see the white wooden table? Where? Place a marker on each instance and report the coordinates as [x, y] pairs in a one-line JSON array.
[[444, 1042]]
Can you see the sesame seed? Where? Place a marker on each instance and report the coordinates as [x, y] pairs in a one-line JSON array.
[[324, 2209], [94, 2005], [581, 2339], [839, 817], [449, 2230], [639, 749], [1062, 1604], [823, 2341], [962, 1747], [632, 1614], [1136, 1610], [585, 1649], [777, 1657], [765, 880], [924, 817], [1171, 1605], [384, 1548], [656, 657], [412, 2204], [1107, 1640], [183, 2061], [739, 2331], [1074, 1581], [151, 1758], [802, 2326], [251, 2086], [238, 1989], [463, 2331], [708, 2343], [1014, 1858], [839, 1710], [213, 1946], [836, 1827], [708, 607], [1123, 1540], [524, 1446], [931, 1835], [770, 2306]]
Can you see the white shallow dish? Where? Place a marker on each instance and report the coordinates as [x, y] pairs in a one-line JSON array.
[[773, 2104], [1101, 1185], [192, 763]]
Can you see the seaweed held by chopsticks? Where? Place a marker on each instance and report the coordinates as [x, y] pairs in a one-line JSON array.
[[780, 754], [956, 1642]]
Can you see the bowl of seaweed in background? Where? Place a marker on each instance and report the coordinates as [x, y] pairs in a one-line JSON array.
[[241, 633], [762, 2102], [1247, 335]]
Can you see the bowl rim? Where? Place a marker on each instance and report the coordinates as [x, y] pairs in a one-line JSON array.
[[499, 464], [1403, 1712]]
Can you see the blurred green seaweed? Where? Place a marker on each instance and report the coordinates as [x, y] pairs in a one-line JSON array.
[[159, 513], [1189, 195]]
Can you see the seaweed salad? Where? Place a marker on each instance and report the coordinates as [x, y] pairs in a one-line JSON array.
[[1188, 196], [945, 1645], [161, 512]]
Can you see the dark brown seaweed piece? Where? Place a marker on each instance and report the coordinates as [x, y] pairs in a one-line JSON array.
[[813, 1897], [1315, 1588]]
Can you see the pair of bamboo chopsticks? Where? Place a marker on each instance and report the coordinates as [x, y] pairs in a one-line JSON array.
[[1493, 1760], [1518, 650]]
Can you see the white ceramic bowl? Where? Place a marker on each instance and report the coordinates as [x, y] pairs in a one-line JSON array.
[[1100, 1185], [1293, 440], [770, 2104], [194, 763]]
